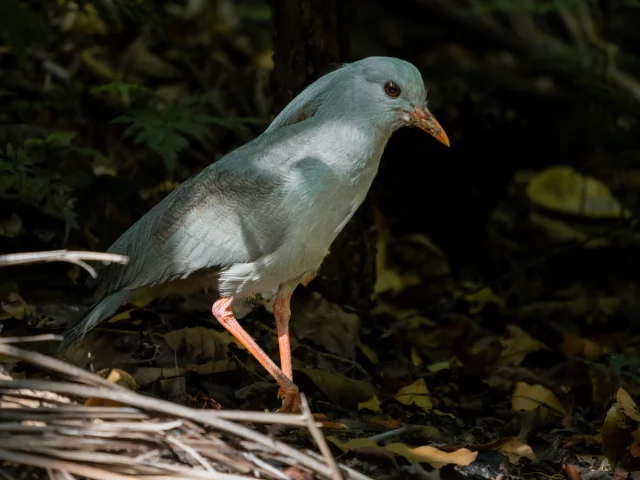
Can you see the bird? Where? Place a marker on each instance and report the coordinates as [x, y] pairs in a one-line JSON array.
[[263, 217]]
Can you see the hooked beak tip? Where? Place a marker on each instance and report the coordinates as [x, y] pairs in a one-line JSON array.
[[424, 119]]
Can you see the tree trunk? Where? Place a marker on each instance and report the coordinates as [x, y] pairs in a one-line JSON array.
[[311, 37]]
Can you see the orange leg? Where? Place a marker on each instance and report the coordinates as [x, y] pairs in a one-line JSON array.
[[282, 313], [288, 390]]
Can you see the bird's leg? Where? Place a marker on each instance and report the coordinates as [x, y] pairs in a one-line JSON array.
[[282, 314], [307, 278], [222, 311]]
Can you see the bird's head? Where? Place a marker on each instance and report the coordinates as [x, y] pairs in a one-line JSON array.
[[396, 91], [386, 91]]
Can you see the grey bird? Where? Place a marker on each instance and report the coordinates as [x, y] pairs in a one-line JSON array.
[[263, 217]]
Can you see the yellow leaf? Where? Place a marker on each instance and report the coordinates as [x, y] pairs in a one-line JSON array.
[[528, 397], [433, 456], [512, 448], [368, 352], [117, 376], [415, 357], [437, 366], [481, 299], [415, 394], [519, 345], [372, 404], [562, 189]]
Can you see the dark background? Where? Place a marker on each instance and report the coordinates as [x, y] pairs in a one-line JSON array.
[[155, 91]]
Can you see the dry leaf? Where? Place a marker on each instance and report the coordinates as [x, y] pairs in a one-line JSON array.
[[576, 346], [372, 404], [616, 435], [117, 376], [433, 456], [512, 448], [13, 306], [341, 390], [481, 299], [530, 397], [415, 394], [518, 346], [562, 189], [326, 324], [627, 405], [201, 342]]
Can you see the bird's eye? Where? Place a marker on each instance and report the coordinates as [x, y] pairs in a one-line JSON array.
[[392, 89]]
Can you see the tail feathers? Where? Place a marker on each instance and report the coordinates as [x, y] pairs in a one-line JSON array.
[[100, 310]]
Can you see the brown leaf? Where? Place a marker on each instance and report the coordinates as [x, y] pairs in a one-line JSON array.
[[205, 343], [627, 405], [341, 390], [433, 456], [326, 324], [576, 346], [530, 397], [512, 448], [518, 346], [616, 435]]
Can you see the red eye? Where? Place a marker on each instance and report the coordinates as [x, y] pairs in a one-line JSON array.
[[392, 89]]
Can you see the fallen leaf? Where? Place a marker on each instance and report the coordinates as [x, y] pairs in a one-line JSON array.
[[368, 352], [341, 390], [415, 394], [201, 342], [513, 448], [576, 346], [562, 189], [518, 346], [627, 404], [117, 376], [13, 306], [479, 300], [433, 456], [530, 397], [327, 324], [372, 404], [616, 435]]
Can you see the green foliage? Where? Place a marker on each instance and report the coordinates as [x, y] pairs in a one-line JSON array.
[[163, 128], [25, 175]]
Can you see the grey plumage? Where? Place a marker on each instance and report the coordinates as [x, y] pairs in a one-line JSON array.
[[267, 212]]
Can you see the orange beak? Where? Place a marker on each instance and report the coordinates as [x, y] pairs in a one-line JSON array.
[[425, 120]]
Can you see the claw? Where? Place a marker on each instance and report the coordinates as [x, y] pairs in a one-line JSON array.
[[290, 398]]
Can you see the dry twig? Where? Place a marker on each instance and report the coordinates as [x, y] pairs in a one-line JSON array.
[[157, 439], [77, 258]]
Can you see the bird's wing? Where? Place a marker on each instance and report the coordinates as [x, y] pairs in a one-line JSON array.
[[220, 217]]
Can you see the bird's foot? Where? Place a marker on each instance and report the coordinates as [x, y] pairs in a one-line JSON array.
[[290, 398]]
